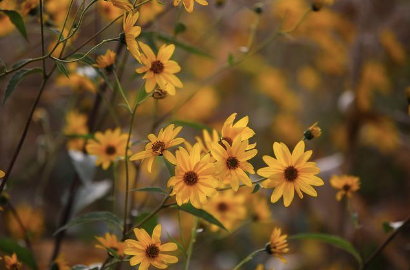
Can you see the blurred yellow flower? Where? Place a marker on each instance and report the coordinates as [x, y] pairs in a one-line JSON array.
[[394, 49], [346, 184], [6, 26], [76, 123], [194, 178], [228, 208], [231, 131], [77, 82], [149, 250], [122, 4], [260, 209], [278, 244], [61, 262], [288, 127], [261, 267], [107, 146], [189, 4], [381, 134], [108, 10], [159, 70], [106, 61], [308, 78], [131, 32], [111, 241], [159, 146], [32, 220], [207, 140], [232, 162], [149, 11], [57, 10], [2, 174], [29, 7], [290, 172], [12, 263]]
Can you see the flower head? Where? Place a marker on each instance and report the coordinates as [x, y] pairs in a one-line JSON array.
[[111, 241], [194, 179], [207, 140], [159, 146], [312, 132], [189, 4], [107, 146], [278, 244], [148, 250], [32, 220], [228, 207], [159, 70], [76, 123], [232, 162], [346, 184], [29, 7], [106, 61], [131, 32], [2, 174], [61, 262], [240, 129], [12, 262], [290, 172]]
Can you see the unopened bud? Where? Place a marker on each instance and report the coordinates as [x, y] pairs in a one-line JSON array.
[[312, 132]]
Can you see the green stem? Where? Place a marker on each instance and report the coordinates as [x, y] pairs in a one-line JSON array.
[[249, 257], [191, 243], [119, 87]]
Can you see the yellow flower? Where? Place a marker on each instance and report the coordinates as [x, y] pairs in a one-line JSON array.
[[159, 146], [230, 130], [194, 179], [207, 140], [228, 207], [111, 241], [107, 146], [106, 61], [108, 11], [12, 262], [131, 32], [61, 262], [260, 208], [232, 163], [29, 7], [6, 26], [312, 132], [32, 220], [76, 123], [149, 250], [309, 78], [159, 70], [77, 82], [290, 172], [347, 185], [122, 4], [394, 48], [2, 174], [149, 11], [260, 267], [278, 244], [189, 4]]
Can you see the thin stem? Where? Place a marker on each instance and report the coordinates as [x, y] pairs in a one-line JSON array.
[[191, 243], [119, 88], [367, 263], [249, 257]]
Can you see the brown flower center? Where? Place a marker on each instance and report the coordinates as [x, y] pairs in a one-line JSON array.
[[152, 251], [190, 178], [226, 139], [232, 163], [222, 207], [157, 67], [291, 173], [110, 150], [346, 187], [158, 147]]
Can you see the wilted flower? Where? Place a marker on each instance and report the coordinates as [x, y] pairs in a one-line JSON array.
[[278, 244]]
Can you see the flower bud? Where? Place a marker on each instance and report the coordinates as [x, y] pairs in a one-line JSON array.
[[312, 132]]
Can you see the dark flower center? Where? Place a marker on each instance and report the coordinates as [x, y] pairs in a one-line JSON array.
[[190, 178], [226, 139], [110, 150], [158, 147], [291, 173], [232, 163], [157, 67], [346, 187], [152, 251], [222, 207]]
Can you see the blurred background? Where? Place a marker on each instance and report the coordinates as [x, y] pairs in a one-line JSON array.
[[346, 66]]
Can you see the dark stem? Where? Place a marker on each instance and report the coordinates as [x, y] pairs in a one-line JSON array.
[[385, 243], [23, 228]]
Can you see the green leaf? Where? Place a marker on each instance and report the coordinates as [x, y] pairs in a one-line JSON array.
[[200, 213], [17, 20], [104, 216], [170, 167], [256, 188], [190, 124], [9, 246], [179, 28], [62, 69], [149, 225], [150, 189], [231, 59], [387, 228], [143, 95], [16, 79], [113, 253], [332, 240]]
